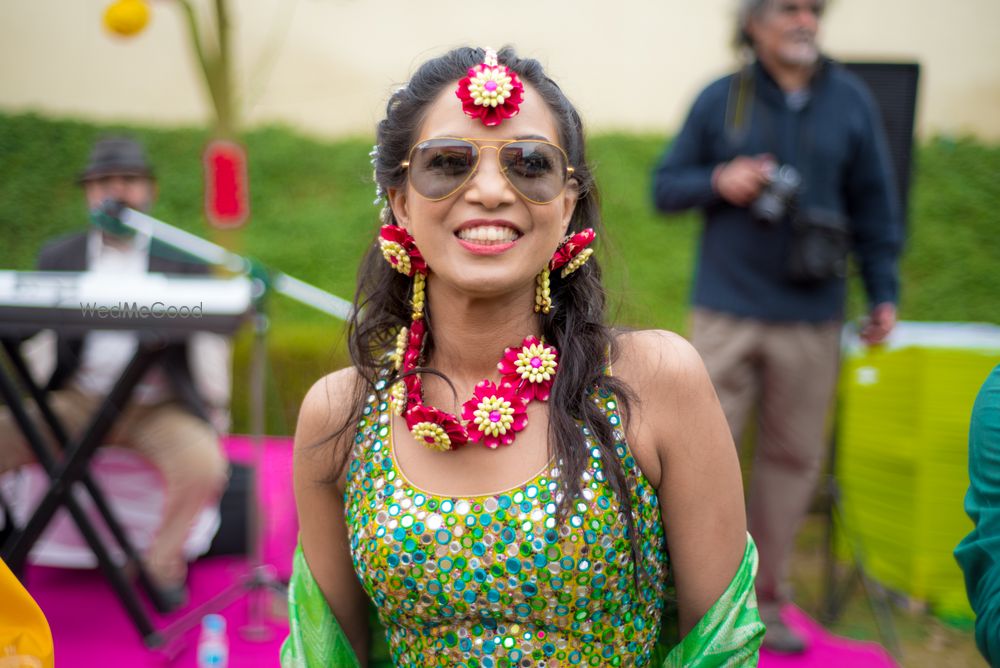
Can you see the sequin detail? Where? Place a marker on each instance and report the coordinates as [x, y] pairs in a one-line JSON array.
[[497, 581]]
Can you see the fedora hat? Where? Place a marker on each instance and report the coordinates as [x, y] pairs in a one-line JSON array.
[[116, 155]]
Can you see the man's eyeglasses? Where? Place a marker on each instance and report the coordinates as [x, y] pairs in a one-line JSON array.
[[438, 168]]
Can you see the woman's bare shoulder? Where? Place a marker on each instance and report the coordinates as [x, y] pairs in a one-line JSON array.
[[671, 392], [646, 358], [322, 434]]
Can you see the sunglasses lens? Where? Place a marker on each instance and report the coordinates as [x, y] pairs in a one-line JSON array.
[[439, 167], [536, 169]]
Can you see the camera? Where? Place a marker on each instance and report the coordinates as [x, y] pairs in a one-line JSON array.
[[820, 241], [779, 196]]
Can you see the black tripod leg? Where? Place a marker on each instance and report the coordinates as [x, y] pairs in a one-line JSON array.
[[875, 594], [73, 466], [836, 595], [16, 549]]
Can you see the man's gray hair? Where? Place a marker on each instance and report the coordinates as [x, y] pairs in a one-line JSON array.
[[749, 8]]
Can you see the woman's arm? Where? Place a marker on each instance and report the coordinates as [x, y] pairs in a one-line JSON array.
[[320, 504], [680, 438]]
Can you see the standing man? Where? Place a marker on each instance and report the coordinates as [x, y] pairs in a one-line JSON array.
[[168, 417], [788, 162]]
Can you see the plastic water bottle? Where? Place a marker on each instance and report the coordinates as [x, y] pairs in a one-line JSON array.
[[213, 644]]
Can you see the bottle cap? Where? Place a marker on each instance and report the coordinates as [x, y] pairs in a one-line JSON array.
[[214, 623]]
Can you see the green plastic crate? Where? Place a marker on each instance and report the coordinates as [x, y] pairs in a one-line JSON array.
[[902, 460]]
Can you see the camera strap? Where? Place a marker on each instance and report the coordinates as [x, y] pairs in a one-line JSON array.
[[739, 105], [739, 114]]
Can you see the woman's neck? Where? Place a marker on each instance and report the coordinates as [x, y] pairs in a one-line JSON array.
[[470, 334]]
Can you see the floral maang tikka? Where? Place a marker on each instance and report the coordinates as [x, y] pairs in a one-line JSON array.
[[490, 92]]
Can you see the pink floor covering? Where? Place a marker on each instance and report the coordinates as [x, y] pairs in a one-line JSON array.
[[826, 650], [91, 629]]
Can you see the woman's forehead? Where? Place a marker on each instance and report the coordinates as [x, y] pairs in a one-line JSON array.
[[445, 118]]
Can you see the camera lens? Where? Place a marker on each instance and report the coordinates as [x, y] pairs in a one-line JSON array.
[[773, 203]]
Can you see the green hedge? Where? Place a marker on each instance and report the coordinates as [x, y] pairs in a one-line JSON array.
[[312, 216], [297, 355]]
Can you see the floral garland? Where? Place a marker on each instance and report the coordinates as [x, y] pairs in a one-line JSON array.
[[496, 411]]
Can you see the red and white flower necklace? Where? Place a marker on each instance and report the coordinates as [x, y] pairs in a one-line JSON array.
[[496, 411]]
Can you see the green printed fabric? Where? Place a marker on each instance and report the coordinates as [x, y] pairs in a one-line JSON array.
[[314, 636], [728, 635]]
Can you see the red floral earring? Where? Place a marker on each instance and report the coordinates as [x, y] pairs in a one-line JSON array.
[[570, 256], [573, 252], [400, 250]]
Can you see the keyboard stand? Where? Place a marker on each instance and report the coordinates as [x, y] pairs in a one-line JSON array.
[[65, 472]]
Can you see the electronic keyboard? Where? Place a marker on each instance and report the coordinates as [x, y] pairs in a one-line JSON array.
[[167, 306]]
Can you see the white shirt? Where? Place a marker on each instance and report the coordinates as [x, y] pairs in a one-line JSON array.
[[106, 352]]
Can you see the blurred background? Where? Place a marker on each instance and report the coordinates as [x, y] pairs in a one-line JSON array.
[[301, 83]]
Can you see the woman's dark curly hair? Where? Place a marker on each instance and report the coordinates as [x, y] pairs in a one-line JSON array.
[[576, 323]]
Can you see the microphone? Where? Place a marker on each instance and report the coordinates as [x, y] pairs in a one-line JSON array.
[[107, 216], [113, 215]]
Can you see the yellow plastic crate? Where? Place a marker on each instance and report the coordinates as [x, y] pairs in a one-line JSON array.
[[902, 459]]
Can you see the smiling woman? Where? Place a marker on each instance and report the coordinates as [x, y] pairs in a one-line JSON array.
[[537, 521]]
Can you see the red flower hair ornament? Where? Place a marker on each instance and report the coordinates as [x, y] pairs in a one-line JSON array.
[[491, 92]]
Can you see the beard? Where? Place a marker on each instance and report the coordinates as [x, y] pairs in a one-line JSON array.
[[799, 49]]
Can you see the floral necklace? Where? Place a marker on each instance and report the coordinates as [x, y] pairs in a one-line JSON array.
[[496, 411]]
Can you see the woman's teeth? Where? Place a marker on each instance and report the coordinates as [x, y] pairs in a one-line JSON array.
[[488, 234]]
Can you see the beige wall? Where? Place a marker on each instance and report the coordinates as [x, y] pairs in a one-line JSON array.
[[326, 66]]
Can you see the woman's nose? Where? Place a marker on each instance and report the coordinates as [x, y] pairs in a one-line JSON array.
[[488, 186]]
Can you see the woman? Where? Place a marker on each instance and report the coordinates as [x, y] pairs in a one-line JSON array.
[[528, 524]]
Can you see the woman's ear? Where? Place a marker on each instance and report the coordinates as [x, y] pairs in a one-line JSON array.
[[398, 204], [570, 196]]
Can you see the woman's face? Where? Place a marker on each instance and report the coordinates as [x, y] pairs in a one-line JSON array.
[[485, 239]]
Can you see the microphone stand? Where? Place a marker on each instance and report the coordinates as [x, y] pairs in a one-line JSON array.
[[261, 578]]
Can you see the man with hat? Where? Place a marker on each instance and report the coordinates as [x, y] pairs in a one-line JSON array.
[[168, 417]]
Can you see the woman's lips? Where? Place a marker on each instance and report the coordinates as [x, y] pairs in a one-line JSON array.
[[487, 237]]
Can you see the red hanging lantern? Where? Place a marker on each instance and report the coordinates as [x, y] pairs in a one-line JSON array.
[[227, 194]]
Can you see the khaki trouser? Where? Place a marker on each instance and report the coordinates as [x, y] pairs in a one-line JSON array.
[[184, 448], [788, 372]]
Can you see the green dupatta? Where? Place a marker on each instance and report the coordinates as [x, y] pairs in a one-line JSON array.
[[729, 634]]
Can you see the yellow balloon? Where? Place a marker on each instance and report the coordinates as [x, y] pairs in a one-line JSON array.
[[126, 17]]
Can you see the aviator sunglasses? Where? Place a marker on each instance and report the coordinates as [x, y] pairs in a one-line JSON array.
[[438, 168]]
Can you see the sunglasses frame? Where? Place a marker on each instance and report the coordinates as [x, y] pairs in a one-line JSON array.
[[498, 145]]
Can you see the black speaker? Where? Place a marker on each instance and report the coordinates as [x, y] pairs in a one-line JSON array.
[[232, 536], [894, 87]]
